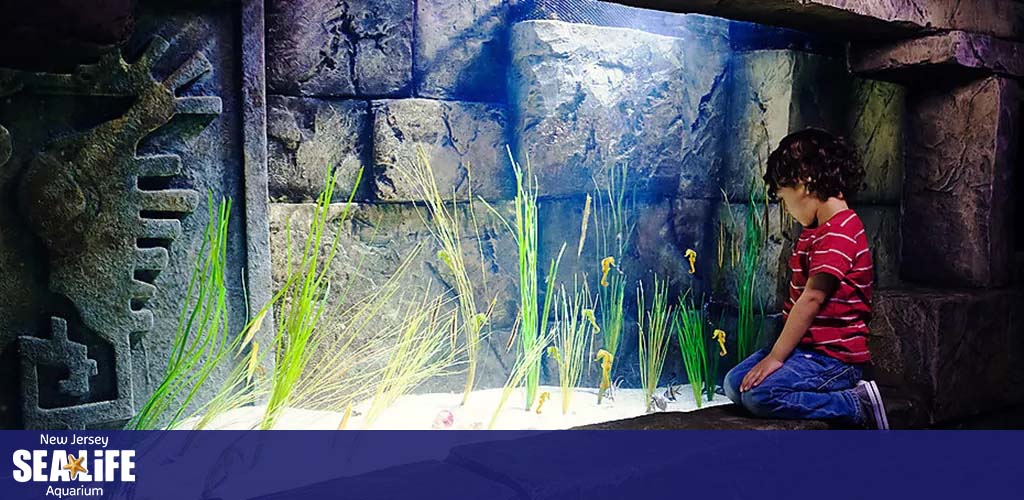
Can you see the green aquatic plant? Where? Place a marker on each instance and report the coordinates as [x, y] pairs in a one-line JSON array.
[[652, 330], [202, 339], [748, 322], [572, 337], [339, 371], [532, 319], [421, 352], [613, 226], [520, 371], [690, 330], [445, 228], [745, 243], [346, 372], [303, 303]]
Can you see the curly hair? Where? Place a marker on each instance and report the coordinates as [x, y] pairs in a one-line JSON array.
[[825, 163]]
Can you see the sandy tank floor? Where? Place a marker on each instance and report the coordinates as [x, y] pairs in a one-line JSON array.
[[427, 411]]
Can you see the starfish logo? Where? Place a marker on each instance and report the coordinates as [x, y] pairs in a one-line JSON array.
[[75, 466]]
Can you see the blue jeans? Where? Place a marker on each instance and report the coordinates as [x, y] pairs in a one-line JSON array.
[[809, 385]]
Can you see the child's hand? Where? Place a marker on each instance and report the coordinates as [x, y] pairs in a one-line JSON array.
[[759, 372]]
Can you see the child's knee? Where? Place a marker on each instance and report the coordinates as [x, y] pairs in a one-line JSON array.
[[759, 401], [731, 384]]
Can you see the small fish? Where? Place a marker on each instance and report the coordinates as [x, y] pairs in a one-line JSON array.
[[670, 393], [719, 336], [613, 388], [607, 264], [544, 398], [691, 254], [659, 402]]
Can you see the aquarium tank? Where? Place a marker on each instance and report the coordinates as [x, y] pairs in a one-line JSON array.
[[494, 214]]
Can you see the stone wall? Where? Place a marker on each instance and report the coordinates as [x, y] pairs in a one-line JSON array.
[[667, 95], [109, 162]]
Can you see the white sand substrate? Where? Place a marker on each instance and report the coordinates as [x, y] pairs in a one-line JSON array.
[[427, 411]]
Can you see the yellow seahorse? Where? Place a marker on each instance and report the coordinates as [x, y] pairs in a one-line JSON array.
[[606, 359], [607, 264], [719, 337]]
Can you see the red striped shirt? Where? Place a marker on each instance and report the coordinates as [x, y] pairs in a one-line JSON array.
[[838, 247]]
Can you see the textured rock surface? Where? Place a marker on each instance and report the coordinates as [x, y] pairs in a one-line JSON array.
[[465, 143], [375, 240], [862, 19], [943, 54], [874, 125], [759, 116], [307, 136], [589, 97], [339, 48], [961, 148], [775, 92], [951, 349], [97, 247], [882, 225], [461, 49]]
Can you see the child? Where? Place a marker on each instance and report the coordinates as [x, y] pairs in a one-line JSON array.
[[813, 371]]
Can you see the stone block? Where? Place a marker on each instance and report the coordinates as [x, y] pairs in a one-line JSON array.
[[461, 49], [616, 15], [308, 136], [941, 55], [882, 226], [774, 93], [464, 141], [589, 97], [957, 205], [339, 48], [862, 19], [951, 349], [374, 243], [874, 126]]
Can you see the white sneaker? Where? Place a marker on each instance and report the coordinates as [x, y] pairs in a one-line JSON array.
[[871, 405]]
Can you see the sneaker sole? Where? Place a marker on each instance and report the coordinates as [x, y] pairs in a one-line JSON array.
[[876, 406]]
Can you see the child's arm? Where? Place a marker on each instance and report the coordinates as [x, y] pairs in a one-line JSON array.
[[819, 288]]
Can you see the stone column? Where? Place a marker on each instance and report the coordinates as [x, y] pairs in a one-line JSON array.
[[953, 350], [961, 149]]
